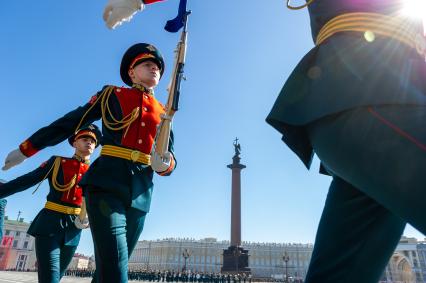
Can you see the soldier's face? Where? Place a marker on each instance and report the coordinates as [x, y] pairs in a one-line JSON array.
[[84, 146], [146, 73]]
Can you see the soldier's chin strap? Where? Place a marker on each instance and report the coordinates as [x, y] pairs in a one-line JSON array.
[[299, 7]]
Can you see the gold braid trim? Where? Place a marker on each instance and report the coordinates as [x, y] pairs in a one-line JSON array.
[[55, 167], [55, 184], [299, 7], [116, 125], [44, 178], [90, 108]]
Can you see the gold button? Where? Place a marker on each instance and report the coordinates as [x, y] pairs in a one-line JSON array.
[[74, 198], [143, 124], [79, 175], [134, 156], [139, 141], [145, 109], [118, 89], [63, 161], [77, 187], [145, 96]]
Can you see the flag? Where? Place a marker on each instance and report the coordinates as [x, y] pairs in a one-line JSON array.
[[151, 1], [177, 23]]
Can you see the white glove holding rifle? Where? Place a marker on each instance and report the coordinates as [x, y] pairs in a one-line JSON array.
[[160, 163]]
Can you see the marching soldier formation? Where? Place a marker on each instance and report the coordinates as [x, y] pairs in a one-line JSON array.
[[357, 100], [188, 276], [174, 276], [118, 185]]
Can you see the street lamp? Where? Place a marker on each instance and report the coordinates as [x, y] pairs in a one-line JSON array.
[[186, 254], [286, 258]]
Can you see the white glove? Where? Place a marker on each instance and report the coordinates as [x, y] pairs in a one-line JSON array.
[[81, 224], [160, 164], [13, 158], [118, 11]]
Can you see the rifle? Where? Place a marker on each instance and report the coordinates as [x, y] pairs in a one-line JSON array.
[[161, 142]]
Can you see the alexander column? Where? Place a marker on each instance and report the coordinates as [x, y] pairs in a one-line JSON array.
[[235, 258]]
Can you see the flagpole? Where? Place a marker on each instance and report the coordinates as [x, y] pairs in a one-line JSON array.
[[162, 137]]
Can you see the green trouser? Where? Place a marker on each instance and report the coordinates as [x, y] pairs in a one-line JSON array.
[[377, 157], [53, 257], [115, 230]]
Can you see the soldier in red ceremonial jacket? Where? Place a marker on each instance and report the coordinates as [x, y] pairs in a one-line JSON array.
[[118, 185], [57, 227]]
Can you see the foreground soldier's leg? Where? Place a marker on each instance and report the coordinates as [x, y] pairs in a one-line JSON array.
[[355, 238], [382, 152], [135, 222], [107, 218]]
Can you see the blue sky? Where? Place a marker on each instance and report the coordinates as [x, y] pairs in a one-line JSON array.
[[56, 54]]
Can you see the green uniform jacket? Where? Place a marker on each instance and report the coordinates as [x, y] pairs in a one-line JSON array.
[[346, 72], [48, 222]]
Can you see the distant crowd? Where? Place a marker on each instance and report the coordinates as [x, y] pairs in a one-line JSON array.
[[176, 276]]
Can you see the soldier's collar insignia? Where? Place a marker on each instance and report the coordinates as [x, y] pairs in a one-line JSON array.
[[143, 89], [80, 159]]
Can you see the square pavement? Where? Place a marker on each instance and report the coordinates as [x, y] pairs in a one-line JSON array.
[[31, 277]]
